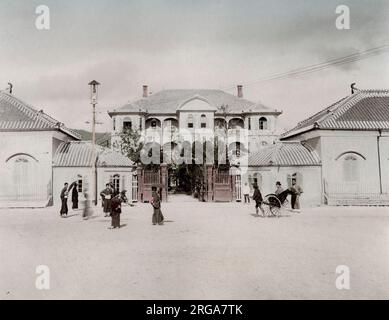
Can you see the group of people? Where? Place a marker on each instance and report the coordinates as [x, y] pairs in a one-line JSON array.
[[112, 204], [111, 201], [64, 198], [295, 190]]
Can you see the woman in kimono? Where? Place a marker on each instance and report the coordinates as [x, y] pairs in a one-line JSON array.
[[64, 200], [116, 210], [156, 203], [75, 196]]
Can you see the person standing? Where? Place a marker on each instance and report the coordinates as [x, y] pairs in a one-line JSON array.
[[246, 193], [116, 210], [257, 197], [64, 200], [75, 196], [296, 193], [106, 195], [279, 188], [156, 203]]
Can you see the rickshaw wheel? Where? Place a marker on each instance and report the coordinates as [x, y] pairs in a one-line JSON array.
[[273, 205]]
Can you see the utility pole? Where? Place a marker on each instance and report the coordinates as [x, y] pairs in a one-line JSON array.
[[94, 88]]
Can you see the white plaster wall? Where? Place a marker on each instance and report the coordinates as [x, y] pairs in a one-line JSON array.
[[126, 174], [311, 183], [38, 144], [384, 151], [69, 175], [334, 144]]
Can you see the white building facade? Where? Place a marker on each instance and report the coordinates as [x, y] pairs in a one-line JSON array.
[[352, 140], [28, 141]]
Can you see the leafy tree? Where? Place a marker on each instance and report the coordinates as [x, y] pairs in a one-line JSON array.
[[131, 144]]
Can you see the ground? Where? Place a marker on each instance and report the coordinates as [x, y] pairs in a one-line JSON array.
[[204, 251]]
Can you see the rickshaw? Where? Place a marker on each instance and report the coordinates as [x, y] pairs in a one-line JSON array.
[[274, 203]]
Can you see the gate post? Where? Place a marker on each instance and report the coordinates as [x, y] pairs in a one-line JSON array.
[[233, 187], [139, 173], [164, 181], [210, 181]]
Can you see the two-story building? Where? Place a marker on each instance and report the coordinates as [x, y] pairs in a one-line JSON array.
[[169, 119]]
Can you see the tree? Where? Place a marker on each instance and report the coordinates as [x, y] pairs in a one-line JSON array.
[[131, 144]]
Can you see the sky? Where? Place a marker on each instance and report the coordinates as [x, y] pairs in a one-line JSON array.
[[171, 44]]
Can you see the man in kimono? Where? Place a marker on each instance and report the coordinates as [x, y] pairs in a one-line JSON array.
[[257, 197], [106, 195], [156, 203], [279, 188], [296, 192], [116, 211], [64, 200]]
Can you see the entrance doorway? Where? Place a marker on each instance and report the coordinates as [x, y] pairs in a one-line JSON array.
[[186, 179]]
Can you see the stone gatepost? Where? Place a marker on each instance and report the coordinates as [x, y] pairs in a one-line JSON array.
[[164, 181], [209, 177], [139, 173]]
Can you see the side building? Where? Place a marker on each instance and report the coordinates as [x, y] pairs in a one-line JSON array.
[[73, 163], [351, 137], [28, 140]]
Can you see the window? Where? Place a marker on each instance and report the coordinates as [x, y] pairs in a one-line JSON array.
[[154, 124], [298, 176], [127, 125], [79, 183], [262, 123], [190, 121], [114, 124], [140, 123], [220, 123], [351, 168], [249, 123], [203, 121], [116, 182], [255, 179], [237, 149]]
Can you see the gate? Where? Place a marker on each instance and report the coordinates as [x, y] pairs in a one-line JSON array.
[[222, 186], [238, 188], [134, 188]]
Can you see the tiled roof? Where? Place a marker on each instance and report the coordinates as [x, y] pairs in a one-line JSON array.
[[363, 110], [16, 115], [169, 101], [109, 158], [80, 154], [285, 154]]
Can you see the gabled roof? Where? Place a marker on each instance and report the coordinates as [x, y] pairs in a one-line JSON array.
[[285, 154], [16, 115], [169, 101], [363, 110], [80, 154]]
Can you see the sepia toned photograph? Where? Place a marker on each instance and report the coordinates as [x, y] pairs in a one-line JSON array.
[[194, 150]]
